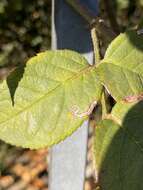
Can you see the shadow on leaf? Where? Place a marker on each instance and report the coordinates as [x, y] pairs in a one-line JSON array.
[[135, 39], [13, 79], [119, 152]]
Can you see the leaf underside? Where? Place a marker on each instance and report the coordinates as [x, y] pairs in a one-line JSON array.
[[52, 84]]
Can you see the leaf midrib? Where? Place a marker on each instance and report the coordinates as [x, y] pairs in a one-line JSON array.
[[83, 71]]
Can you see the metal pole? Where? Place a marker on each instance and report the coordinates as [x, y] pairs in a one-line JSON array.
[[68, 159]]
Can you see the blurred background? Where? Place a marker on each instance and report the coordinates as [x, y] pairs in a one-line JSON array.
[[25, 29]]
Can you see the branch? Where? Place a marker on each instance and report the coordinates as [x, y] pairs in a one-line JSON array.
[[82, 10], [112, 16]]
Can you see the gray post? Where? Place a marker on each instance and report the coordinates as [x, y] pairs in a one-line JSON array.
[[68, 159]]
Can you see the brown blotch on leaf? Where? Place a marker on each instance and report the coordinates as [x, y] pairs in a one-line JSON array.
[[133, 98]]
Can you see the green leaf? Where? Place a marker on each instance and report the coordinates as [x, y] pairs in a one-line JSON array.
[[120, 110], [118, 149], [121, 71], [122, 4], [141, 2], [54, 82]]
